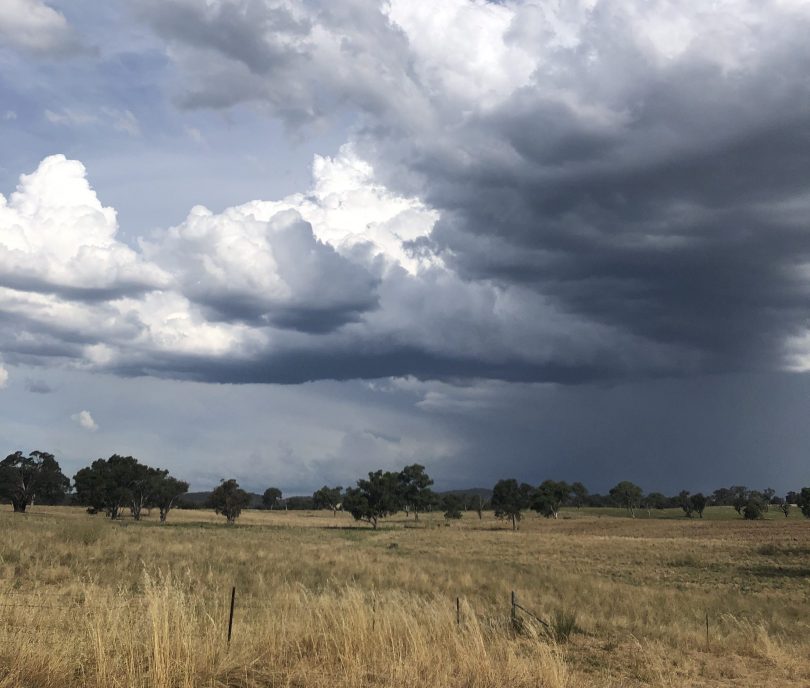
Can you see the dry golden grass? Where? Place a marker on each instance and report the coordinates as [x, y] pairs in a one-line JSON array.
[[323, 601]]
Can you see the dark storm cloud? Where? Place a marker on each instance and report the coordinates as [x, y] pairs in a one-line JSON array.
[[42, 285], [255, 311], [614, 200], [654, 187], [235, 47], [266, 52], [243, 31], [693, 250], [673, 223], [296, 367]]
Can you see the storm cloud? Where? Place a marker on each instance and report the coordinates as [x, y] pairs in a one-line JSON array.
[[580, 225], [639, 166], [316, 286]]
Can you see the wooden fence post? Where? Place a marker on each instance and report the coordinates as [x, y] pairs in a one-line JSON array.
[[230, 617], [458, 611], [514, 610]]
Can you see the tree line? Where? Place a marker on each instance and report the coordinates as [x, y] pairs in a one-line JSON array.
[[122, 482], [384, 493], [106, 486]]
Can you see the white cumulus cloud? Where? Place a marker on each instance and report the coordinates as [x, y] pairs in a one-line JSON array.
[[85, 420], [317, 285], [57, 236]]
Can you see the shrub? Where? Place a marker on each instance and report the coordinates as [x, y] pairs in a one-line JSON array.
[[753, 509]]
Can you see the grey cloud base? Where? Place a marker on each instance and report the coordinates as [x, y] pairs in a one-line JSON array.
[[259, 294]]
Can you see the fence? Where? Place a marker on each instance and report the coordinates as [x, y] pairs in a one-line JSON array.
[[42, 601]]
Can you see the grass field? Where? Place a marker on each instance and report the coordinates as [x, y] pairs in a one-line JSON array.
[[323, 601]]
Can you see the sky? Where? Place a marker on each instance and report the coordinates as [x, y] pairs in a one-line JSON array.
[[293, 241]]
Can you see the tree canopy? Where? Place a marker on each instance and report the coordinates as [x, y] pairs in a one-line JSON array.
[[549, 497], [627, 495], [580, 494], [112, 484], [374, 498], [328, 498], [166, 493], [452, 505], [229, 499], [24, 478], [415, 492], [509, 499], [271, 498]]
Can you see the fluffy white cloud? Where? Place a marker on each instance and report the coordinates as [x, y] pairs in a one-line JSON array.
[[85, 420], [57, 236], [3, 376], [462, 51], [316, 285], [33, 26], [347, 209], [243, 267]]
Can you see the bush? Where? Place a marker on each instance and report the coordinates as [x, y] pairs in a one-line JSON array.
[[452, 506], [753, 510]]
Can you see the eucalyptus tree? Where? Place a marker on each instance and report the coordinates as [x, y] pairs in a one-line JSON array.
[[229, 499], [328, 498], [627, 495], [166, 492], [374, 498], [414, 487], [271, 498], [509, 499], [24, 478], [549, 497]]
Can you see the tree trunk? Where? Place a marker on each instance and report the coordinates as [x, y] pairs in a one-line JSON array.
[[163, 513], [19, 507], [514, 522], [415, 515]]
